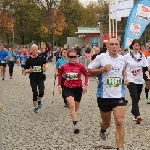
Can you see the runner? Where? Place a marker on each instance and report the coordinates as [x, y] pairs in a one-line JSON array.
[[35, 65], [59, 63], [11, 61], [3, 59], [110, 68], [23, 58], [73, 87], [136, 66], [147, 82]]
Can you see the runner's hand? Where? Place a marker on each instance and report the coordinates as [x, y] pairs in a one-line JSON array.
[[60, 90], [148, 78], [126, 81], [55, 75], [84, 89], [107, 67], [30, 70]]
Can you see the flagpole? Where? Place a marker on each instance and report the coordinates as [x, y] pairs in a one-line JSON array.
[[109, 20], [113, 24], [116, 19]]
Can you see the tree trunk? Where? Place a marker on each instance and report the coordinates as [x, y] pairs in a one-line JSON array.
[[7, 38], [22, 39], [52, 40]]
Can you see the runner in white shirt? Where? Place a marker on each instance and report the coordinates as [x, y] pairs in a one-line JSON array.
[[136, 66], [110, 68], [147, 82]]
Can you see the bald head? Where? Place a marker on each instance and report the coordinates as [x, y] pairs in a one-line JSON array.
[[34, 49], [34, 46], [113, 46]]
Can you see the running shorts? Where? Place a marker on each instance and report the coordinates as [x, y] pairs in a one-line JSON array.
[[3, 64], [74, 92], [107, 104]]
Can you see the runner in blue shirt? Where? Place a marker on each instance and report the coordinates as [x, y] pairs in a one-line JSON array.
[[3, 61], [11, 61], [23, 59], [59, 63]]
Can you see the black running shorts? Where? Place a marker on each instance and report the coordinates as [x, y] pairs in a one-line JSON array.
[[3, 64], [74, 92], [107, 104]]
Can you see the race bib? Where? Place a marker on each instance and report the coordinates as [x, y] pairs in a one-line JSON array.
[[23, 62], [3, 61], [72, 76], [11, 59], [114, 81], [136, 72], [37, 69]]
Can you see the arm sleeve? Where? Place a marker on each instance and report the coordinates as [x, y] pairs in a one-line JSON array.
[[145, 62], [60, 73], [84, 72], [96, 63]]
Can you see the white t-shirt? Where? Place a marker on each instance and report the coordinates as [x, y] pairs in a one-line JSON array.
[[110, 83], [148, 61], [134, 68]]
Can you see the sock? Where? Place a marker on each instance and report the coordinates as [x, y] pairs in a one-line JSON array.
[[74, 123], [146, 92], [103, 130]]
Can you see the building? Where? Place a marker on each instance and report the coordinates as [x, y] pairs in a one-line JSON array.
[[88, 36]]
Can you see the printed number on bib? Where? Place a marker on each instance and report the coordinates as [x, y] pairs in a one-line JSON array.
[[136, 72], [3, 61], [72, 76], [23, 62], [114, 81], [37, 69], [11, 59]]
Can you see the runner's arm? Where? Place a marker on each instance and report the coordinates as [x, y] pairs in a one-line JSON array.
[[60, 73]]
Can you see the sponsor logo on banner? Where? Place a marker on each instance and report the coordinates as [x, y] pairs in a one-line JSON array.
[[129, 41], [143, 12], [135, 28]]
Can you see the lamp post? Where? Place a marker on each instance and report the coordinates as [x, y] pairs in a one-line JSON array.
[[13, 37], [100, 20]]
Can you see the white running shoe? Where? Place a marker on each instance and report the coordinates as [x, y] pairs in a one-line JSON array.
[[147, 101]]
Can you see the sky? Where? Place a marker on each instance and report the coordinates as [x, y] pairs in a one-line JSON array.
[[85, 2]]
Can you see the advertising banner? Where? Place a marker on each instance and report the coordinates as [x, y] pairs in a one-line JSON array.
[[137, 21], [120, 8]]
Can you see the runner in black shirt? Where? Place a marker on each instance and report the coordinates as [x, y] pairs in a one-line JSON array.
[[36, 66]]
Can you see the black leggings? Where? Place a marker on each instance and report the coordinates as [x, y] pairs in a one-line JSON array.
[[135, 92], [62, 86], [11, 66], [34, 84]]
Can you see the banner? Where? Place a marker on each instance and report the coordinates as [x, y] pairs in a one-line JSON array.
[[120, 8], [137, 21]]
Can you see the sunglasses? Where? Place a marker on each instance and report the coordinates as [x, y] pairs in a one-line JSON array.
[[72, 56]]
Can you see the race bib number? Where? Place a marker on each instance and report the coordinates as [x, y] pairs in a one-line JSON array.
[[136, 72], [11, 59], [23, 62], [72, 76], [37, 69], [3, 61], [114, 81]]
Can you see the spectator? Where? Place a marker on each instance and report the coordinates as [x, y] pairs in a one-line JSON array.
[[78, 50]]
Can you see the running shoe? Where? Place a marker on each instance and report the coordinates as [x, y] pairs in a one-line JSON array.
[[138, 120], [2, 78], [10, 77], [76, 129], [147, 101], [35, 110], [104, 135], [39, 104]]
